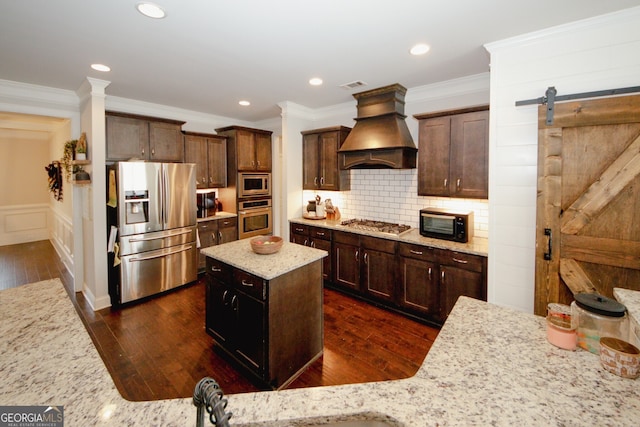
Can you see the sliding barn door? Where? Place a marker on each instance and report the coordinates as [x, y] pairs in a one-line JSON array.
[[588, 206]]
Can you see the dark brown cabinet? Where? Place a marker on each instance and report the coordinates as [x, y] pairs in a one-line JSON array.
[[216, 232], [419, 279], [346, 260], [320, 169], [248, 149], [315, 237], [209, 153], [460, 274], [453, 154], [146, 138], [273, 328]]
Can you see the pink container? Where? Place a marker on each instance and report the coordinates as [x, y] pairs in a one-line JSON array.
[[559, 330]]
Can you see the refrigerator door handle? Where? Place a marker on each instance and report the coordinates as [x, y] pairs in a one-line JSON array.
[[162, 255], [146, 239]]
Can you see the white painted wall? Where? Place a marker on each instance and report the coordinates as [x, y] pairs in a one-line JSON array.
[[596, 54]]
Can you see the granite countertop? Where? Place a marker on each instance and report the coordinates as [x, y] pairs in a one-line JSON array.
[[218, 215], [239, 254], [489, 366], [631, 300], [476, 246]]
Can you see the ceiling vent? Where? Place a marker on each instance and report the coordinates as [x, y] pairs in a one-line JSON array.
[[353, 85]]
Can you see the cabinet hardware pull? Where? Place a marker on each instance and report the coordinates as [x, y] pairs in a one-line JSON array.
[[210, 180], [313, 244], [219, 236], [143, 151], [442, 277], [216, 269], [306, 242], [357, 256], [322, 180], [320, 234], [446, 181], [415, 252], [458, 184], [461, 261], [153, 151], [258, 162], [300, 229], [547, 255], [429, 273], [213, 237], [234, 303], [365, 257], [315, 181], [245, 283], [224, 296]]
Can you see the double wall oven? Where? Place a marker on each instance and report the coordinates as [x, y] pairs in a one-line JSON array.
[[254, 205]]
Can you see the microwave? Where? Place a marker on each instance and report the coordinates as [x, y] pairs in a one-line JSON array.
[[445, 224], [254, 185]]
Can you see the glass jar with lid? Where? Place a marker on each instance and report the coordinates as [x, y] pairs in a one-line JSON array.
[[595, 316]]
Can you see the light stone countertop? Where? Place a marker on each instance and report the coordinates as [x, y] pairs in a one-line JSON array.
[[239, 254], [489, 366], [631, 300], [218, 215], [476, 246]]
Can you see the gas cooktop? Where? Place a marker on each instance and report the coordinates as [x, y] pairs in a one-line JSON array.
[[377, 226]]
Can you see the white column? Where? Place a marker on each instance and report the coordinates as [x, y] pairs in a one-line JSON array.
[[89, 212]]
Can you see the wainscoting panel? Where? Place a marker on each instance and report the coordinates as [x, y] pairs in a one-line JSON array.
[[24, 223], [62, 238]]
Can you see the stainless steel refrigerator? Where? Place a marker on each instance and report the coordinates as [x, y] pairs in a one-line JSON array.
[[153, 208]]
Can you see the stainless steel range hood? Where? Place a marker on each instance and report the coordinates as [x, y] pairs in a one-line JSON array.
[[380, 138]]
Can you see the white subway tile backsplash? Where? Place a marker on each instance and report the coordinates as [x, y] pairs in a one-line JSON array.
[[392, 195]]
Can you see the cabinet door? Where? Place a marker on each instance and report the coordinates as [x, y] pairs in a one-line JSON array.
[[126, 138], [263, 152], [310, 162], [220, 317], [469, 174], [195, 151], [165, 142], [378, 275], [347, 265], [456, 281], [419, 286], [251, 339], [217, 162], [207, 232], [227, 230], [324, 245], [434, 156], [328, 167], [245, 150]]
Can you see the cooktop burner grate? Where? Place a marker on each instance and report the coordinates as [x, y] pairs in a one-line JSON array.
[[377, 226]]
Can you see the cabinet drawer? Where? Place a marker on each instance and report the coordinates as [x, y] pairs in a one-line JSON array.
[[348, 238], [300, 229], [219, 270], [425, 253], [462, 260], [382, 245], [227, 222], [250, 284], [320, 233]]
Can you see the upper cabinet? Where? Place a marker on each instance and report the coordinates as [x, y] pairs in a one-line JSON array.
[[146, 138], [209, 153], [320, 170], [249, 149], [453, 153]]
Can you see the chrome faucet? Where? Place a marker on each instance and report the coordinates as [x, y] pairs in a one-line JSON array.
[[208, 396]]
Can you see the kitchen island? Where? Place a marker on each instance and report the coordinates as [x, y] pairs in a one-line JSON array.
[[489, 365], [265, 311]]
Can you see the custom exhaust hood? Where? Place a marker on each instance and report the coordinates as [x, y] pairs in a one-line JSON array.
[[380, 138]]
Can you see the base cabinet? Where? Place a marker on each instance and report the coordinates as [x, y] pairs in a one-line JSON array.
[[272, 328], [314, 237], [215, 232]]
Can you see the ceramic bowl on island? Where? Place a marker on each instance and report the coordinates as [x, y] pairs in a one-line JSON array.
[[265, 245]]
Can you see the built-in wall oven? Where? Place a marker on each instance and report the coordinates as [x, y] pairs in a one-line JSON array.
[[254, 218]]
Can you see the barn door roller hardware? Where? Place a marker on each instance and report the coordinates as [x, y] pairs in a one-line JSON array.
[[550, 98]]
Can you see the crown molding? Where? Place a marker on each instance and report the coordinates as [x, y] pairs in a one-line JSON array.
[[25, 97]]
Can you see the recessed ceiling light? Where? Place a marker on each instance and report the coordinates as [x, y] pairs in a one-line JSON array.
[[420, 49], [100, 67], [316, 81], [244, 103], [151, 10]]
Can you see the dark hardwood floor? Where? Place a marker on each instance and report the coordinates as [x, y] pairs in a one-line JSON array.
[[158, 349]]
